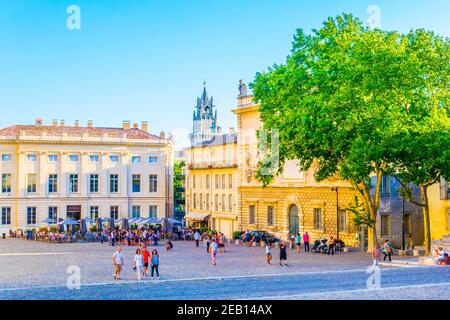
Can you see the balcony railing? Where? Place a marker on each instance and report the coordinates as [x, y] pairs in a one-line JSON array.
[[212, 165]]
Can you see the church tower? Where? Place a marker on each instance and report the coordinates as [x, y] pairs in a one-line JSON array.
[[204, 119]]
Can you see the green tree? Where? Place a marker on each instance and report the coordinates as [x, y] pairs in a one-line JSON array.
[[178, 178], [421, 143], [335, 103]]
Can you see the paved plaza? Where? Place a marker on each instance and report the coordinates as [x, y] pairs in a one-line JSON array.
[[186, 273]]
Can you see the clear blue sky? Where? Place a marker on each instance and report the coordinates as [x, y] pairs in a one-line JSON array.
[[147, 59]]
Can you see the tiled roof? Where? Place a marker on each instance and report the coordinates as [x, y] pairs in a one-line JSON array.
[[132, 133]]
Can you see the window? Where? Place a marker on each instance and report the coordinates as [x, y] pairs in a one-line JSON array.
[[223, 181], [385, 227], [52, 183], [444, 189], [136, 183], [93, 183], [270, 216], [193, 181], [114, 158], [114, 183], [153, 183], [94, 158], [230, 181], [136, 212], [223, 203], [207, 181], [207, 202], [6, 183], [194, 204], [73, 183], [6, 157], [384, 184], [53, 213], [74, 158], [31, 215], [342, 220], [317, 218], [152, 159], [448, 219], [407, 223], [52, 158], [31, 157], [230, 203], [201, 201], [216, 202], [135, 159], [153, 211], [31, 183], [216, 181], [114, 212], [93, 211], [251, 215], [6, 215]]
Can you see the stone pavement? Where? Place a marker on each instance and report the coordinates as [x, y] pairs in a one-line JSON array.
[[187, 273]]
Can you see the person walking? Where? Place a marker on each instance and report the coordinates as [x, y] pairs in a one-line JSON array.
[[214, 249], [306, 241], [387, 250], [298, 240], [113, 237], [268, 252], [331, 246], [197, 238], [169, 245], [138, 263], [155, 264], [376, 255], [283, 254], [117, 260], [145, 256], [207, 239]]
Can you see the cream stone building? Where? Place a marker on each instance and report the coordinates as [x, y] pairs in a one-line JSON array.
[[295, 202], [60, 171], [211, 193]]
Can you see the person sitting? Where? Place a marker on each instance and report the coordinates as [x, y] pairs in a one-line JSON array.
[[442, 256]]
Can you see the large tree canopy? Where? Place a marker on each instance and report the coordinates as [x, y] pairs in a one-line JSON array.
[[337, 101]]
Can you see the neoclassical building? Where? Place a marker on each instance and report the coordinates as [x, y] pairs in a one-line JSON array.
[[295, 201], [211, 180], [58, 171]]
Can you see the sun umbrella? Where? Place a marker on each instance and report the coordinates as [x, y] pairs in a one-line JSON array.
[[83, 228], [48, 220], [143, 221], [174, 221], [156, 221]]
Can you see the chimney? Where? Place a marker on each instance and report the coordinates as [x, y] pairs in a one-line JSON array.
[[126, 124], [144, 126], [136, 126], [90, 124], [54, 122], [77, 124], [162, 135], [62, 122], [38, 122]]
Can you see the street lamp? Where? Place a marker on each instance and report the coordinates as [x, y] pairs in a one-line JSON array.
[[337, 210]]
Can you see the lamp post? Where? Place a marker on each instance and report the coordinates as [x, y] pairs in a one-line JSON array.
[[337, 210], [403, 222]]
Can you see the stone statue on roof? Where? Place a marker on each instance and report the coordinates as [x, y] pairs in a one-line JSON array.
[[242, 88]]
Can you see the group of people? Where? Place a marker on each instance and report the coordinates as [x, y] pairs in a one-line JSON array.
[[136, 237], [141, 261], [215, 243]]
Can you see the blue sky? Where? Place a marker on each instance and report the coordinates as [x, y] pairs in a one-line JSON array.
[[147, 59]]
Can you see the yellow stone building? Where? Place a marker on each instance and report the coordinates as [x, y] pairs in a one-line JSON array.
[[211, 192], [439, 202], [58, 171], [295, 201]]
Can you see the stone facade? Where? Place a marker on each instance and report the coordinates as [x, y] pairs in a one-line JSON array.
[[439, 202], [84, 163]]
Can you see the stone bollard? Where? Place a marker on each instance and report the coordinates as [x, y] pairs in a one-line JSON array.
[[263, 244], [402, 252], [345, 249], [277, 244], [238, 242], [254, 243]]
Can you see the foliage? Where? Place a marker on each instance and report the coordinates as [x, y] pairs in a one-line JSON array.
[[342, 101], [93, 228], [43, 229], [360, 215], [237, 235]]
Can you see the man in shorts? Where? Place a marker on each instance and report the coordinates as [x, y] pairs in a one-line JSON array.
[[117, 260]]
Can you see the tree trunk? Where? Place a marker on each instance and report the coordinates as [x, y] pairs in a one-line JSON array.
[[426, 219], [372, 234]]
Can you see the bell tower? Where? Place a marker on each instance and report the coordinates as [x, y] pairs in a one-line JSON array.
[[204, 119]]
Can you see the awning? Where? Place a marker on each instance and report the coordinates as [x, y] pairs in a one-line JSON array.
[[196, 216]]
